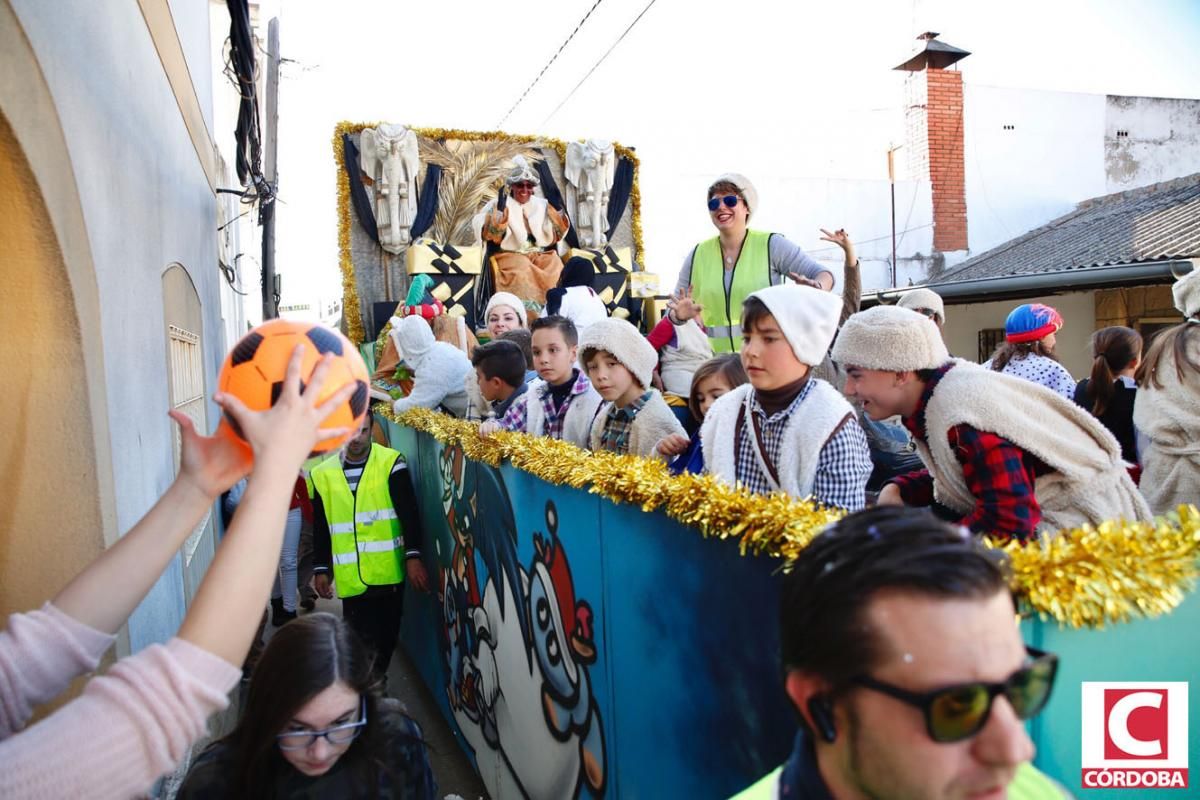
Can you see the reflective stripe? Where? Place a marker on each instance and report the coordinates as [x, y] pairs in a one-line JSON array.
[[345, 558], [722, 330], [367, 517], [380, 547], [342, 527]]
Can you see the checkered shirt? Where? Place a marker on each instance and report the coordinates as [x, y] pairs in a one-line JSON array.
[[618, 424], [843, 465], [518, 413]]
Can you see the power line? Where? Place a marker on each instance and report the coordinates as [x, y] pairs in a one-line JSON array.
[[553, 58], [601, 61]]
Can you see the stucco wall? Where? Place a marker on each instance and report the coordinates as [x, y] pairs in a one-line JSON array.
[[1078, 309], [1161, 140], [145, 203]]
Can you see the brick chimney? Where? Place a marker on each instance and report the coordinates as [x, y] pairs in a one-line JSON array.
[[934, 133]]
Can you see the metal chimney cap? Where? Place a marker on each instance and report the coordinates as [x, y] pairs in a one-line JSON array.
[[933, 54]]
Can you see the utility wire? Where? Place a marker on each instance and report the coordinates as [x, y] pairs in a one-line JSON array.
[[553, 58], [601, 61]]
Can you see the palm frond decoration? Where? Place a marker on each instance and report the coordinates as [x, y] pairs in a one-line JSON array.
[[470, 175]]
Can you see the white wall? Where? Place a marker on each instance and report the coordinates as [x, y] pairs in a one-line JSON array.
[[1022, 178], [1162, 141], [146, 203], [1078, 309]]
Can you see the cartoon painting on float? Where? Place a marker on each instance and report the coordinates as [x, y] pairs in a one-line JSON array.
[[517, 645]]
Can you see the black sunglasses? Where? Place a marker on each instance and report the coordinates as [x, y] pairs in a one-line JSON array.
[[730, 200], [958, 712]]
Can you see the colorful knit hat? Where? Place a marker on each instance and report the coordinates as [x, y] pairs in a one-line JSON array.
[[1031, 322], [420, 302]]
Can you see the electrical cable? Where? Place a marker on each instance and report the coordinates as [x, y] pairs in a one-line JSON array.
[[553, 58], [601, 61]]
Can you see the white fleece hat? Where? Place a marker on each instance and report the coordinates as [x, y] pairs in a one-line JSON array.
[[626, 344], [924, 298], [807, 316], [890, 338], [414, 339], [506, 299], [749, 193], [1187, 293]]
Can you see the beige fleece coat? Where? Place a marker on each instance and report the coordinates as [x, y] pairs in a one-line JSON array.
[[653, 423], [1089, 482], [1170, 418]]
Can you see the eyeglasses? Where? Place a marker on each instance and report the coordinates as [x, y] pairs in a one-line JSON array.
[[959, 712], [337, 735], [524, 185], [729, 200]]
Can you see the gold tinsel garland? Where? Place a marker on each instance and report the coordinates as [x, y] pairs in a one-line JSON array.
[[351, 311], [1084, 577]]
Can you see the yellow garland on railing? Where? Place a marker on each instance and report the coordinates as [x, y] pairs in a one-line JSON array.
[[1084, 577], [350, 307]]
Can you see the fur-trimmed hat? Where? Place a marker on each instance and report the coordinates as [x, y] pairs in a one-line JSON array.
[[626, 344], [1031, 322], [743, 184], [510, 301], [924, 298], [807, 316], [1187, 294], [892, 339], [522, 172]]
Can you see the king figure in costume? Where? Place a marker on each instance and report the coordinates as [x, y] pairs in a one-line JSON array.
[[526, 230]]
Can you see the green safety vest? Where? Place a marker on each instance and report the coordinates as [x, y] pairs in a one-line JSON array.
[[368, 544], [1028, 784], [722, 312]]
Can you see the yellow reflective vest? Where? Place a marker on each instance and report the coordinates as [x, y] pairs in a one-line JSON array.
[[1028, 784], [722, 310], [367, 541]]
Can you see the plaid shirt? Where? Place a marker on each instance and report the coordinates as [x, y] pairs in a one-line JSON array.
[[843, 465], [518, 413], [618, 424], [999, 474]]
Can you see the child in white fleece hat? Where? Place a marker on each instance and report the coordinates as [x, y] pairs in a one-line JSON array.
[[619, 362], [787, 430]]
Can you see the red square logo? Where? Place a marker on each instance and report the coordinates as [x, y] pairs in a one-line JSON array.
[[1135, 735], [1136, 724]]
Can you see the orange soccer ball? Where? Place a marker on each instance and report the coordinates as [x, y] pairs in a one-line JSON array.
[[255, 368]]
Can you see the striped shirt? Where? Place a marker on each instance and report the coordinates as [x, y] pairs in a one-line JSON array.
[[843, 466]]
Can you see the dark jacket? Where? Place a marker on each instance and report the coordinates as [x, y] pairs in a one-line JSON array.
[[1118, 417]]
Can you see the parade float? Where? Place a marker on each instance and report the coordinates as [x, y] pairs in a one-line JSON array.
[[601, 628]]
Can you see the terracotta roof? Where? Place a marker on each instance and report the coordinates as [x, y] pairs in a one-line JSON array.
[[1153, 223]]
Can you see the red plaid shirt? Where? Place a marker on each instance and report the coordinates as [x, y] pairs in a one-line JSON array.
[[999, 474]]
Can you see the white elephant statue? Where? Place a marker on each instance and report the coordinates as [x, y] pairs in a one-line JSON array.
[[389, 155], [590, 169]]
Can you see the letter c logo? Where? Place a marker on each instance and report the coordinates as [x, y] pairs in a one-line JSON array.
[[1118, 724]]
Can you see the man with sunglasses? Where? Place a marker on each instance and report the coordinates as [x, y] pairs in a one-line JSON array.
[[526, 230], [720, 273], [906, 667]]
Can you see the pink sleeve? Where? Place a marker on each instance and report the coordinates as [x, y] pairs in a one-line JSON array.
[[40, 653], [127, 728]]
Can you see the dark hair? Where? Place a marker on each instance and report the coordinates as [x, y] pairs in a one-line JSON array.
[[753, 312], [823, 600], [578, 271], [569, 333], [303, 658], [1177, 339], [1007, 351], [500, 359], [1113, 349], [727, 366], [523, 339]]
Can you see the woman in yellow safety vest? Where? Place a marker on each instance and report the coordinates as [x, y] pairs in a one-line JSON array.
[[719, 273]]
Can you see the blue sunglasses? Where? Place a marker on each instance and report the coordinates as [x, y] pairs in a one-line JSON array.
[[729, 200]]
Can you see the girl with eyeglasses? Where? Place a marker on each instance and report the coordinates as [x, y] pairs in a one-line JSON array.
[[314, 726]]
